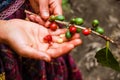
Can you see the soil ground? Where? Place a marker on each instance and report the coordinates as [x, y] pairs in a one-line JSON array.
[[108, 13]]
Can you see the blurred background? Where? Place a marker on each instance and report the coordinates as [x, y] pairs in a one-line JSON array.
[[108, 13]]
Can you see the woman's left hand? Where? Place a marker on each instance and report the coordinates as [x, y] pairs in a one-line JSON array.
[[27, 39]]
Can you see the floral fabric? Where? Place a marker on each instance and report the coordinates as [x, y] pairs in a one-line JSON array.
[[5, 3]]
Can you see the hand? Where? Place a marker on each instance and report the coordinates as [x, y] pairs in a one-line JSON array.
[[45, 8], [26, 39]]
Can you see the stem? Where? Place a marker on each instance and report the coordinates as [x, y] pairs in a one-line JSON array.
[[107, 44], [107, 47], [81, 27]]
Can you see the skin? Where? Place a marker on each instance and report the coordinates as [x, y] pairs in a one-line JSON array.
[[27, 40], [45, 8]]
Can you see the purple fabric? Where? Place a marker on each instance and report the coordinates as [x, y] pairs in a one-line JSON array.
[[16, 67]]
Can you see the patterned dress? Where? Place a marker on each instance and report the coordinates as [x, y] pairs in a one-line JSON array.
[[15, 67]]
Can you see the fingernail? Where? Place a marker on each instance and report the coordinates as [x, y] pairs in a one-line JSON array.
[[78, 42], [37, 18], [45, 15]]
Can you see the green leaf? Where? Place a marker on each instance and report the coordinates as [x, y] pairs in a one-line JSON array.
[[105, 58]]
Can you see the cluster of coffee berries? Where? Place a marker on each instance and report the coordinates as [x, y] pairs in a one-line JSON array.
[[96, 27], [71, 27], [86, 31], [53, 26]]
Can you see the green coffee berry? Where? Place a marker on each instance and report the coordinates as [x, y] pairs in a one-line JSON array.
[[78, 30], [52, 18], [60, 18], [95, 23], [72, 21], [100, 30], [68, 34], [79, 21]]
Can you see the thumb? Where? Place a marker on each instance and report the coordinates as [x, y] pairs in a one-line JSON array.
[[56, 7], [44, 9]]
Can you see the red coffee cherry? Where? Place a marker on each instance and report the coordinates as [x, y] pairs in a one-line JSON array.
[[72, 29], [53, 26], [86, 31], [48, 38]]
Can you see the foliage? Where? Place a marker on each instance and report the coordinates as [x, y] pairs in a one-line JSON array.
[[106, 58], [66, 5]]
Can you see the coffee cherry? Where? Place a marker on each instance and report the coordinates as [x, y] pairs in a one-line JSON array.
[[100, 30], [68, 34], [48, 38], [95, 23], [53, 26], [72, 29], [78, 30], [86, 31], [72, 21], [79, 21], [60, 18], [52, 18]]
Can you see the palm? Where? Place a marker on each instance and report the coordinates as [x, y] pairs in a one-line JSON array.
[[55, 49]]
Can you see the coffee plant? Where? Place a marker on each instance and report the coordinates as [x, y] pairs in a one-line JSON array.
[[104, 56]]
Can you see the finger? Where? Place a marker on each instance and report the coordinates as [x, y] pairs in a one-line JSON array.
[[31, 18], [63, 49], [44, 9], [58, 39], [30, 52], [56, 7], [75, 42], [37, 19], [58, 10], [47, 23], [75, 36]]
